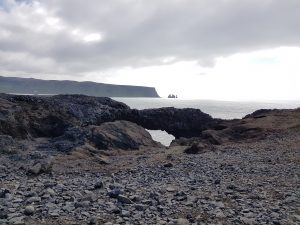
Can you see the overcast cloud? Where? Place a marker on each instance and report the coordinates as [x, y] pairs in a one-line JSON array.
[[75, 37]]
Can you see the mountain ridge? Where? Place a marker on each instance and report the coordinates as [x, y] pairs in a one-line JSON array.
[[53, 87]]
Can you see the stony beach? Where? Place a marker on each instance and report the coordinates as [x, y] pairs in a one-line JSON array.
[[104, 177]]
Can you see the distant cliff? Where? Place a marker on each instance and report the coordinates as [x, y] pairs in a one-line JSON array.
[[51, 87]]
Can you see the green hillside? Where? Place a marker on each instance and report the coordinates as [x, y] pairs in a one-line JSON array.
[[51, 87]]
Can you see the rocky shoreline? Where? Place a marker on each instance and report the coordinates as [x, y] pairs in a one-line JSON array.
[[75, 159]]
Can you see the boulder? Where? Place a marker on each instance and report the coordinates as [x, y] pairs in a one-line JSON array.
[[121, 135], [7, 144], [195, 149], [29, 210], [41, 166], [35, 169]]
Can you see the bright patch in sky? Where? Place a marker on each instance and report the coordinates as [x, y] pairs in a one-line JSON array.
[[84, 37], [95, 37], [237, 77]]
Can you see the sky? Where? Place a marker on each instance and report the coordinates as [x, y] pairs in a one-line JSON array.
[[206, 49]]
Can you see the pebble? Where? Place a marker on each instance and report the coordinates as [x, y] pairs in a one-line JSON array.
[[93, 221], [168, 165], [50, 191], [140, 207], [33, 199], [98, 185], [29, 210], [114, 193], [124, 199]]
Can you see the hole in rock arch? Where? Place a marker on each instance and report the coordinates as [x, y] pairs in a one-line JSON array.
[[161, 136]]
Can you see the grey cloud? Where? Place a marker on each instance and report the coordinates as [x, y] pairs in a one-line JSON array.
[[142, 32]]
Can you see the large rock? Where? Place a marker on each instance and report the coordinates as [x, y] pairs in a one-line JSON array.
[[178, 122], [66, 119], [121, 135], [198, 148], [252, 127], [255, 126], [42, 166], [7, 144], [35, 116]]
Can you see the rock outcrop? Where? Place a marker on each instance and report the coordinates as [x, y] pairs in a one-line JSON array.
[[30, 116], [69, 121], [34, 116], [254, 126], [72, 120], [186, 122]]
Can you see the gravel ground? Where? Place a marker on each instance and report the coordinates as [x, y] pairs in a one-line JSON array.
[[248, 183]]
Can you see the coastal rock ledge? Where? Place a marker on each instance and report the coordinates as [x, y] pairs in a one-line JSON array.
[[33, 116], [26, 117]]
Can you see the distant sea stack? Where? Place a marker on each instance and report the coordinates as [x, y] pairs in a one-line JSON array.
[[172, 96], [53, 87]]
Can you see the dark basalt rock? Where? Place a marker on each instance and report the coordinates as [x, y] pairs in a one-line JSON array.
[[71, 120], [8, 145], [121, 135], [3, 192], [35, 116], [186, 122], [195, 149], [72, 137], [42, 166]]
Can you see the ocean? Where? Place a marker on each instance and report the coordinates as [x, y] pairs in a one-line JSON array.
[[217, 109]]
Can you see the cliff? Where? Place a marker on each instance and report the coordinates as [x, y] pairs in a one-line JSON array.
[[52, 87]]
